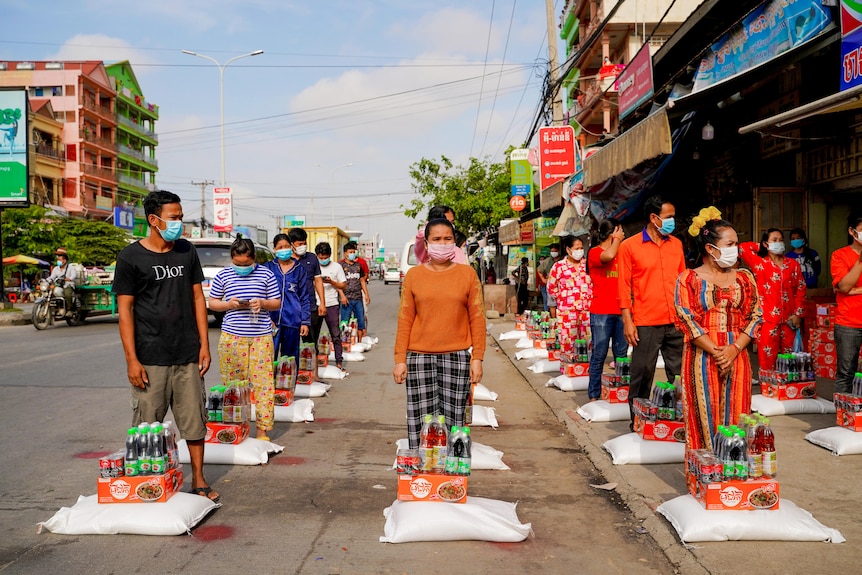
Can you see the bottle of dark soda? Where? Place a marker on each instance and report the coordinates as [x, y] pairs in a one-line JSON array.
[[465, 462], [143, 440], [158, 457], [131, 463]]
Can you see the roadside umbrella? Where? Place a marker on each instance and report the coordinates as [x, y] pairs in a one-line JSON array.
[[24, 260]]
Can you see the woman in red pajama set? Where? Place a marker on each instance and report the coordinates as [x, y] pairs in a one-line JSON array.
[[781, 289]]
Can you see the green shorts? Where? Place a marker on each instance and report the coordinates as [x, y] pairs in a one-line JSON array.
[[179, 387]]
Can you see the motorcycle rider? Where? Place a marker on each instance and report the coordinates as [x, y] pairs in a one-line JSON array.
[[63, 271]]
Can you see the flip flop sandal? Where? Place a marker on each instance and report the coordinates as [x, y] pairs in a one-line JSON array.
[[205, 492]]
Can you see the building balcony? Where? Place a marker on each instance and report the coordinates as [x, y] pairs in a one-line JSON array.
[[103, 112], [137, 184], [101, 173], [138, 129], [48, 152], [138, 103], [137, 155], [89, 137]]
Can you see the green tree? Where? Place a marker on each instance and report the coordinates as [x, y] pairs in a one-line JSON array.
[[478, 193], [93, 243]]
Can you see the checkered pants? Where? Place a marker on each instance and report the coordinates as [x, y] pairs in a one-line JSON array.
[[437, 383]]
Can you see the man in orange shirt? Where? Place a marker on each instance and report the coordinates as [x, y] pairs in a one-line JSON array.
[[649, 264], [846, 268]]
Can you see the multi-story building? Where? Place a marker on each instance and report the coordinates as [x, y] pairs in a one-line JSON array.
[[47, 155], [601, 37], [136, 137], [82, 98]]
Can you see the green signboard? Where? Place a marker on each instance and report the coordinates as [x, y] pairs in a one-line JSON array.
[[14, 128]]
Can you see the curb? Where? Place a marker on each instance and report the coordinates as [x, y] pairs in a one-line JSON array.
[[15, 318], [642, 505]]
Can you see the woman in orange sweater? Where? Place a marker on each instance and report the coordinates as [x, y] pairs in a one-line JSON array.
[[441, 316]]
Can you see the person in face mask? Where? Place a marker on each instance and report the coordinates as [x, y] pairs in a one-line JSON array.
[[846, 267], [164, 329], [718, 313], [293, 319], [648, 264], [781, 289], [334, 282], [356, 289], [246, 291], [299, 241], [442, 314], [572, 289], [808, 259], [63, 271], [550, 304]]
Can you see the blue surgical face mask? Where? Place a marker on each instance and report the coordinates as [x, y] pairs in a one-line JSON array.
[[351, 257], [173, 230], [667, 226], [284, 255], [325, 262], [243, 270], [60, 263], [797, 243]]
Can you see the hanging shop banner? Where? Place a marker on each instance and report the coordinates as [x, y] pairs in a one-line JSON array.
[[851, 60], [635, 82], [124, 217], [521, 172], [768, 31], [851, 17], [223, 210], [557, 154], [14, 183]]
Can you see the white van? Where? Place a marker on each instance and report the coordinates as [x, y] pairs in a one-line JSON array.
[[408, 260]]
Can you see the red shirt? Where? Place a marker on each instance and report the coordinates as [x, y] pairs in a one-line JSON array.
[[648, 272], [781, 288], [849, 310], [605, 283]]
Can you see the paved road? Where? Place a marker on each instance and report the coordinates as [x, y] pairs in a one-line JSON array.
[[314, 508]]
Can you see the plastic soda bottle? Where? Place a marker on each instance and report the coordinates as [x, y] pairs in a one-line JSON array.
[[465, 461], [441, 441], [770, 459], [131, 463], [455, 450], [158, 456], [426, 445], [323, 344], [143, 440]]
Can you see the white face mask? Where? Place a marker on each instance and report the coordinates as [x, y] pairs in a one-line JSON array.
[[859, 237], [776, 248], [300, 250], [728, 257], [555, 254], [577, 254]]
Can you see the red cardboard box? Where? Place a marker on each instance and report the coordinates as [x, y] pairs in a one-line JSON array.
[[821, 334], [140, 489], [849, 419], [227, 433], [543, 343], [739, 495], [660, 430], [825, 359], [432, 487], [283, 397], [574, 369], [322, 360], [826, 372], [826, 309], [554, 355], [789, 391], [822, 347], [615, 394]]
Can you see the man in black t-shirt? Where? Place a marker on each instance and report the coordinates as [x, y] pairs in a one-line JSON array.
[[164, 328]]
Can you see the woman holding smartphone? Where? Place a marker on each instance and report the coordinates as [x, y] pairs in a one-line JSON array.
[[245, 291]]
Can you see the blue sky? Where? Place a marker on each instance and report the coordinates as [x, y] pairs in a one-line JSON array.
[[376, 84]]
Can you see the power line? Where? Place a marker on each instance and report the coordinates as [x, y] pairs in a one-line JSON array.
[[482, 87], [499, 77]]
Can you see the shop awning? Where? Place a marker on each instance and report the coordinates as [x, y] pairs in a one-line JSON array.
[[847, 100], [645, 140], [509, 232]]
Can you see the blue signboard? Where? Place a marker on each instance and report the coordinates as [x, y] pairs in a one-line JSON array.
[[851, 60]]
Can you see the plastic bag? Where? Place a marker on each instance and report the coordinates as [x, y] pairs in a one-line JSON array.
[[797, 342], [770, 407], [631, 448], [545, 366], [604, 411], [250, 452], [484, 416], [482, 393], [838, 440], [514, 334], [566, 383]]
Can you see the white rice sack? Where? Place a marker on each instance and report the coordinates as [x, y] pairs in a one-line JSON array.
[[566, 383], [330, 372], [479, 519], [524, 343], [348, 356], [769, 407], [838, 440], [659, 364], [484, 417], [514, 334], [482, 393], [176, 516], [250, 452], [604, 411], [631, 448], [545, 366], [532, 353], [482, 456], [360, 347], [313, 389], [370, 341], [693, 523], [298, 411]]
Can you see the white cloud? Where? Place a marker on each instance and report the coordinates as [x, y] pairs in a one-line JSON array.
[[450, 31], [103, 47]]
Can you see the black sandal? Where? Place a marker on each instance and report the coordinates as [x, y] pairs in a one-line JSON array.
[[205, 492]]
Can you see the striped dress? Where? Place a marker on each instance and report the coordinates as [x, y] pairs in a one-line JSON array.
[[722, 313]]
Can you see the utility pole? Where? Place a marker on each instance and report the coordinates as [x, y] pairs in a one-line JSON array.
[[203, 186], [553, 66]]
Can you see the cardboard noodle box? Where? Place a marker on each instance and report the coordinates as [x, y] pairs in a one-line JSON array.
[[574, 369], [127, 489], [433, 487], [660, 430], [554, 355], [226, 433], [789, 391], [756, 494], [322, 360], [283, 397], [615, 394], [544, 343], [849, 419]]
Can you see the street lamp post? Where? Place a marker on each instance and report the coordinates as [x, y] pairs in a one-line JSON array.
[[221, 68]]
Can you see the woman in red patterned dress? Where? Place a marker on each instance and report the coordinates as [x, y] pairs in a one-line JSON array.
[[781, 288], [718, 312], [571, 286]]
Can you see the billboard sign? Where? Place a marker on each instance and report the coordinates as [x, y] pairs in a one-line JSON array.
[[635, 83], [223, 210], [521, 172], [557, 154], [124, 217], [851, 60], [14, 127], [293, 222], [851, 17]]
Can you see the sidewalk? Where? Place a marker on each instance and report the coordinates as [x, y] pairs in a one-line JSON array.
[[810, 476], [22, 317]]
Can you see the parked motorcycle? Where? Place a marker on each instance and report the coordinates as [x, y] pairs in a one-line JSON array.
[[51, 306]]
